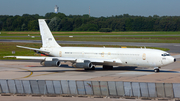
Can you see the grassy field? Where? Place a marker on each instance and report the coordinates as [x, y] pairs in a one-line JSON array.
[[148, 37], [7, 48], [67, 33]]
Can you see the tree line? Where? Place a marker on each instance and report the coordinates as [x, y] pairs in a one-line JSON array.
[[62, 22]]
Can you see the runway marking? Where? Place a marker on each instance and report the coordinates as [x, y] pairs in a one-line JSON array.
[[44, 74], [27, 75], [30, 75], [34, 75], [27, 70]]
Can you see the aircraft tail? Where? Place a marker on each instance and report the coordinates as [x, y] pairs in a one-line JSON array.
[[48, 40]]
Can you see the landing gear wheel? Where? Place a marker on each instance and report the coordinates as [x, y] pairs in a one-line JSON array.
[[86, 69], [156, 70], [93, 68], [107, 67]]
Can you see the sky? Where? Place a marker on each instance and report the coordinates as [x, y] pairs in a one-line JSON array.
[[98, 8]]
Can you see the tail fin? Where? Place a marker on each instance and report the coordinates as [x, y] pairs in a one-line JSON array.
[[48, 40]]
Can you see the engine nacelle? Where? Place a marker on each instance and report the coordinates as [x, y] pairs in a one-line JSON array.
[[86, 65], [51, 63]]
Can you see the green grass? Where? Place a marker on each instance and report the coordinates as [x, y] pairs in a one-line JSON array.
[[67, 33], [156, 39], [7, 48], [146, 39], [96, 36]]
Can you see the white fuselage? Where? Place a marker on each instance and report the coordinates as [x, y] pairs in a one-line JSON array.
[[128, 56]]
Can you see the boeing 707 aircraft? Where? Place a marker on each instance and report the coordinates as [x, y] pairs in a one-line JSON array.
[[89, 57]]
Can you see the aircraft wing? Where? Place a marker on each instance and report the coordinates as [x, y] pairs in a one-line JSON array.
[[66, 59], [41, 58], [27, 57]]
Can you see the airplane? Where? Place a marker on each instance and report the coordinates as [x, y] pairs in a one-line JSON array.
[[89, 57]]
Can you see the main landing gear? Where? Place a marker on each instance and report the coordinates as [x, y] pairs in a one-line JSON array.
[[156, 69], [93, 68], [107, 67]]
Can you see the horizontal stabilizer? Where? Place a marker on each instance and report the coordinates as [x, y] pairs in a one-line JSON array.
[[35, 49]]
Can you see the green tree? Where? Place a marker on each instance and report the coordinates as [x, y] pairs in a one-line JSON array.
[[87, 27], [61, 22], [129, 24], [17, 23], [1, 25], [8, 24], [54, 23], [120, 25], [78, 22], [33, 25], [105, 30], [66, 25], [51, 15], [24, 27]]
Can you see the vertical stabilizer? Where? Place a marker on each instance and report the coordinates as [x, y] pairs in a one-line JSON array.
[[48, 40]]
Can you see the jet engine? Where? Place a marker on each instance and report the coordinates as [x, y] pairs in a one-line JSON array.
[[86, 65], [54, 62]]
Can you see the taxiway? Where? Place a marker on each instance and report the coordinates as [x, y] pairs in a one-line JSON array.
[[32, 70]]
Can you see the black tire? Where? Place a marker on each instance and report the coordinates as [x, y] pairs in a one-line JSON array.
[[93, 68], [107, 67], [156, 70], [86, 69]]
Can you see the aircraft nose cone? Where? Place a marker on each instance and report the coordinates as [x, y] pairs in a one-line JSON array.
[[174, 60]]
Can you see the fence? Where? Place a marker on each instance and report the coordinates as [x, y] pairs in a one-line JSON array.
[[96, 88]]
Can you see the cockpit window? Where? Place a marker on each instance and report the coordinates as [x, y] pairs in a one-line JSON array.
[[165, 54]]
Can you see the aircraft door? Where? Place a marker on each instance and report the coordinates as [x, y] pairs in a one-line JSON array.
[[60, 54], [144, 56]]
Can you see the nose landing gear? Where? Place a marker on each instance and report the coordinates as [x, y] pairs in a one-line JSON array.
[[156, 69]]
